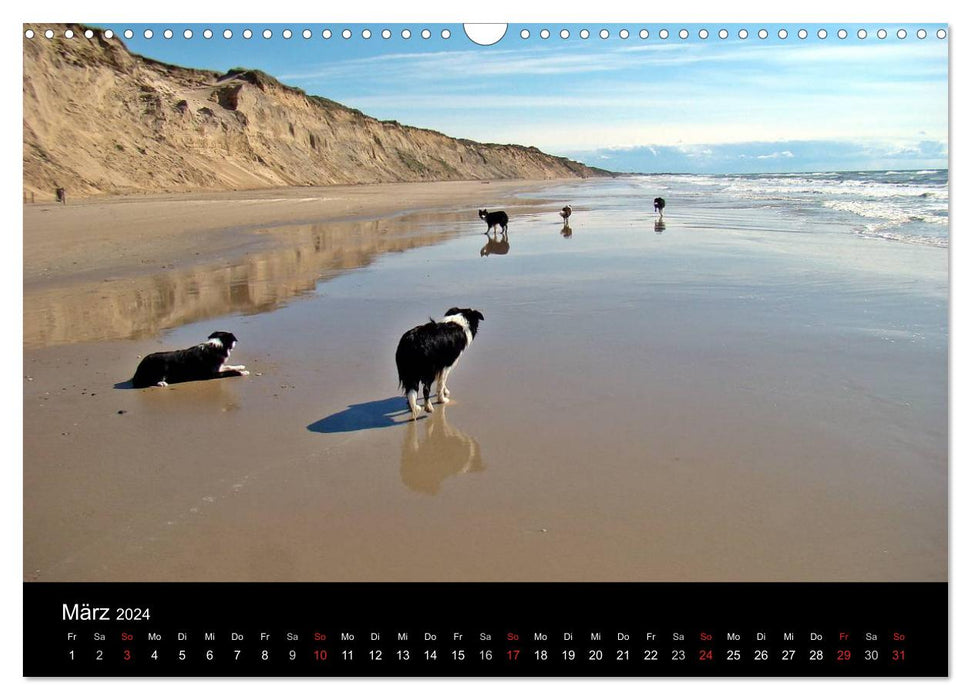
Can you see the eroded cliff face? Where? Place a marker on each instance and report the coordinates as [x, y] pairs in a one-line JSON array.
[[101, 120]]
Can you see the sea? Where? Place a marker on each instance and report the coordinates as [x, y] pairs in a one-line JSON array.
[[906, 206], [909, 206]]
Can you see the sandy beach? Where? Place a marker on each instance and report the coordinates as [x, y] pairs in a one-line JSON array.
[[722, 399]]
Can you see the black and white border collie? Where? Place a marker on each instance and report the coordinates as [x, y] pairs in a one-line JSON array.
[[493, 219], [427, 354], [203, 361]]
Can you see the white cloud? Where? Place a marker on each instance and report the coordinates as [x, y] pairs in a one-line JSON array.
[[560, 97], [558, 60], [464, 65], [762, 156], [695, 151]]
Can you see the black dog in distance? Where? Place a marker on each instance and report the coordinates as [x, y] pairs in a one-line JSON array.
[[493, 219]]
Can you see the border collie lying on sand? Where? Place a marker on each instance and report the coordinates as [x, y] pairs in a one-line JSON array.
[[204, 361], [427, 354], [496, 218]]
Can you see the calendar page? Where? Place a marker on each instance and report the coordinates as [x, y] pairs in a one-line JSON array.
[[442, 349]]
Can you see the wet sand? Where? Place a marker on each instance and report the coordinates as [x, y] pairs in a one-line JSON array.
[[717, 401], [112, 237]]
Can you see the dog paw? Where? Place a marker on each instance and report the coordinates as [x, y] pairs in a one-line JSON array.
[[443, 399], [162, 383], [244, 372], [429, 408], [446, 393]]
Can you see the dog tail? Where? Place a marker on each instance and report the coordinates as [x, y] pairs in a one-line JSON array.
[[404, 359], [410, 357]]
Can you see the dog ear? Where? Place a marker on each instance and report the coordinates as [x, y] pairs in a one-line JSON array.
[[451, 312], [478, 314]]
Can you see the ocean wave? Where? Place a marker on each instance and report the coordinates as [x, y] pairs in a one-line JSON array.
[[896, 236], [886, 211], [792, 188], [904, 206]]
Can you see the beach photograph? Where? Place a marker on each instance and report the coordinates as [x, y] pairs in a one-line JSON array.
[[688, 286]]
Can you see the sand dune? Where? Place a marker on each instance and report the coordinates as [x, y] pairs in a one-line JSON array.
[[99, 119]]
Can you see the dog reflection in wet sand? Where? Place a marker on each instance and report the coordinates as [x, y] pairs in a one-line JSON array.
[[442, 452], [495, 246]]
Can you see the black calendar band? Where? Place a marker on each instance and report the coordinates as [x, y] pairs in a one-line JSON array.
[[485, 629]]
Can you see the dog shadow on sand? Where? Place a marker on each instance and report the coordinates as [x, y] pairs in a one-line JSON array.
[[383, 413]]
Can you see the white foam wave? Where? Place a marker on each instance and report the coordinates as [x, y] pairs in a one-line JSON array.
[[903, 206], [793, 188], [905, 238], [888, 212]]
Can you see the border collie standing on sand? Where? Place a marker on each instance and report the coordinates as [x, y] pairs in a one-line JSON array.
[[496, 218], [427, 354], [659, 206], [203, 361]]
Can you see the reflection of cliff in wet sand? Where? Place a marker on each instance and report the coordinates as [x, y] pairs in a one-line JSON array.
[[140, 307], [442, 452]]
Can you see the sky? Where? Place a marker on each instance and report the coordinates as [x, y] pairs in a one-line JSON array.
[[634, 104]]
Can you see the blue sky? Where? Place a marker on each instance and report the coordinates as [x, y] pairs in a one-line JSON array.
[[631, 104]]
